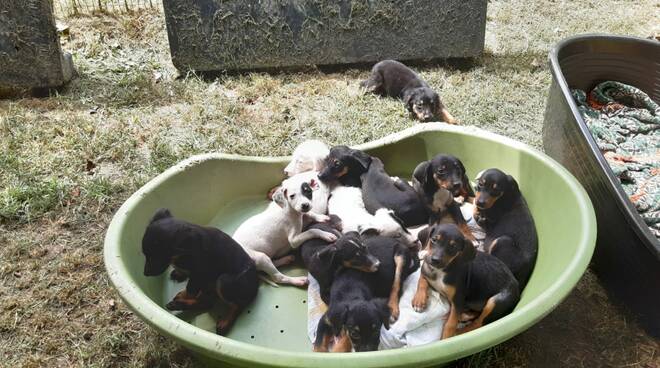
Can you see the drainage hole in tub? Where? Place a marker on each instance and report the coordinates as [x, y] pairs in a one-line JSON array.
[[252, 337], [281, 331], [304, 301], [277, 306]]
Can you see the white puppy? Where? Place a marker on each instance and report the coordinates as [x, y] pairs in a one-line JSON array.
[[307, 156], [272, 233], [347, 203]]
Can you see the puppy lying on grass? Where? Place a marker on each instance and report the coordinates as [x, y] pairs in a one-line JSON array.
[[391, 78]]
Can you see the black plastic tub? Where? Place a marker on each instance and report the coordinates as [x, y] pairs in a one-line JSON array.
[[627, 256]]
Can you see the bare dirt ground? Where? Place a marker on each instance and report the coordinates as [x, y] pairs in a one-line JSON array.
[[70, 160]]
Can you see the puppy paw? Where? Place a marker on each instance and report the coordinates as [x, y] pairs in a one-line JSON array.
[[329, 237], [394, 313], [298, 281], [223, 326], [419, 302], [320, 349], [322, 218]]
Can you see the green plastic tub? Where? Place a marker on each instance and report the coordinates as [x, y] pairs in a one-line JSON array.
[[223, 190]]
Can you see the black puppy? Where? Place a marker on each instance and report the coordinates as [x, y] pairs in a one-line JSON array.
[[469, 279], [438, 181], [354, 316], [214, 264], [353, 167], [323, 258], [391, 78], [501, 210]]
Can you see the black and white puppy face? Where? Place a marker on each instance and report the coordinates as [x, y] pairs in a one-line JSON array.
[[446, 245], [423, 102], [296, 193], [443, 172], [342, 161], [362, 321], [492, 185]]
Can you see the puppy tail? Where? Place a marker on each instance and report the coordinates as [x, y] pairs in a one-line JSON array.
[[268, 281], [160, 214]]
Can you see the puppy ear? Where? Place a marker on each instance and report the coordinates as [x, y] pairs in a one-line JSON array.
[[160, 214], [513, 185], [327, 254], [337, 317], [424, 235], [480, 174], [469, 250], [422, 173], [384, 311], [362, 158], [279, 197], [437, 104], [466, 190], [408, 98]]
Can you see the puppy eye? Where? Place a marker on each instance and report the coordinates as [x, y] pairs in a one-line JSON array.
[[336, 163], [292, 196]]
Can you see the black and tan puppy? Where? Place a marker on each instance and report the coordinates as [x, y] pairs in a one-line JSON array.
[[472, 281], [361, 302], [354, 316], [501, 210], [323, 258], [391, 78], [438, 181], [396, 262], [351, 167], [212, 262], [345, 166]]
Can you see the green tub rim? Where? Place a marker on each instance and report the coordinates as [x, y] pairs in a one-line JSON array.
[[244, 354]]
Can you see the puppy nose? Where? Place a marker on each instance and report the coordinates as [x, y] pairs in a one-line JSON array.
[[305, 206], [481, 203], [435, 260], [457, 185]]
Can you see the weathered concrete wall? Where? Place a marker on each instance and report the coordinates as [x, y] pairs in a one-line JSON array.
[[30, 54], [212, 35]]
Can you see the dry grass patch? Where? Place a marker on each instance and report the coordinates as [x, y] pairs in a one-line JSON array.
[[70, 160]]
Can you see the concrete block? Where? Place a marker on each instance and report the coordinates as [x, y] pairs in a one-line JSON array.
[[216, 35], [30, 53]]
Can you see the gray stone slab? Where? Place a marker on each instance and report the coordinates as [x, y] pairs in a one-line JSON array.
[[30, 53], [215, 35]]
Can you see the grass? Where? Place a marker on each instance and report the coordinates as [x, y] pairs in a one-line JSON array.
[[70, 160]]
